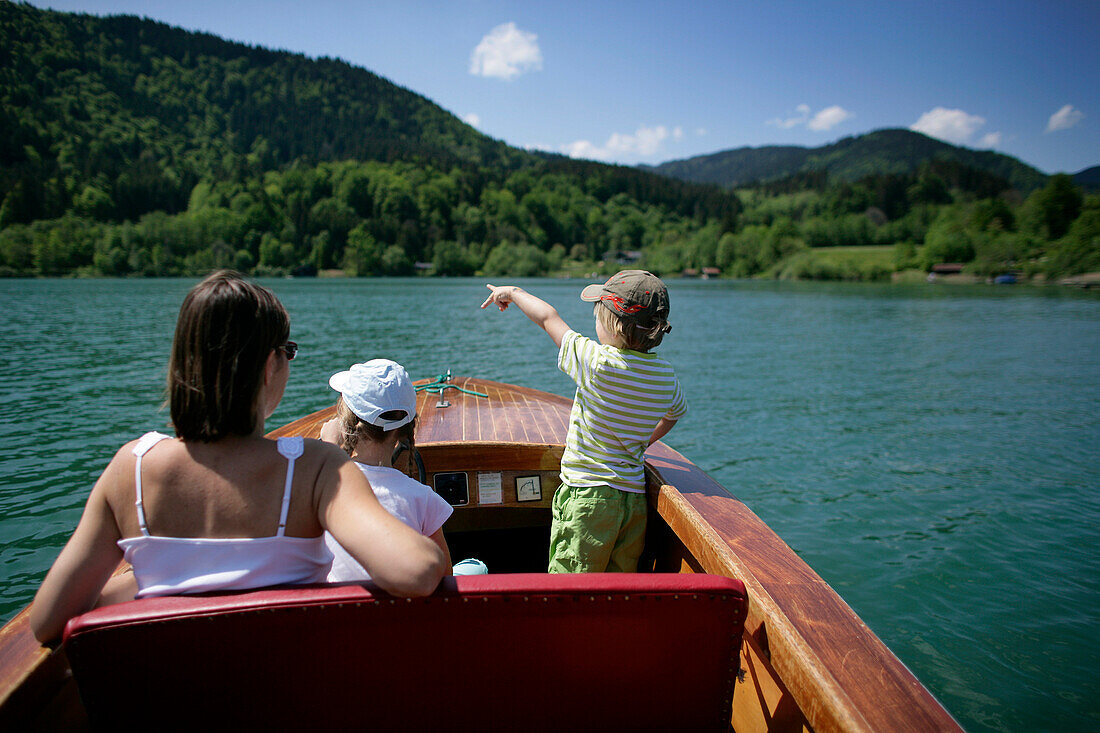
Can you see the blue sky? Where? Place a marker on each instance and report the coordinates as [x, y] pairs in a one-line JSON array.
[[646, 82]]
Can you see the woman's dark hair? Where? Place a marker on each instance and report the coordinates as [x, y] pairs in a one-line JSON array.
[[226, 329]]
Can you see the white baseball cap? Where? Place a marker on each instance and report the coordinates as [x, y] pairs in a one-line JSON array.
[[376, 387]]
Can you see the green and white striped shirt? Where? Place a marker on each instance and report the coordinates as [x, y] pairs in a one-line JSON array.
[[621, 396]]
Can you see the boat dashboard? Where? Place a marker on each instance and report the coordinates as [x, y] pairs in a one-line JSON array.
[[501, 494]]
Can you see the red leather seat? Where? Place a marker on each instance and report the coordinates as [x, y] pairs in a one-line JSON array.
[[529, 652]]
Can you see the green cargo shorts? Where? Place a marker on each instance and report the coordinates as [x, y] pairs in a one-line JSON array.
[[596, 529]]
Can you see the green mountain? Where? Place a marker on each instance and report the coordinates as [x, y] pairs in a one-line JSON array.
[[132, 147], [882, 152], [124, 103], [1089, 179]]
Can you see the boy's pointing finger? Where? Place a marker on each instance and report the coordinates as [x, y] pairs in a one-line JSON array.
[[490, 298]]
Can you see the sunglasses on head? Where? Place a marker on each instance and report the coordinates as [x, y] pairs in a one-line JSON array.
[[290, 349]]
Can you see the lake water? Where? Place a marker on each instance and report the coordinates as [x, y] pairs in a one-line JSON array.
[[931, 451]]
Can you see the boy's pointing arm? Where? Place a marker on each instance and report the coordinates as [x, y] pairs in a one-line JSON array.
[[537, 309]]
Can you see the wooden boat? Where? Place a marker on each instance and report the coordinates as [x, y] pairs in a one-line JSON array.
[[806, 660]]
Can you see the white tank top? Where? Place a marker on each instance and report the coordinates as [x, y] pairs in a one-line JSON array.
[[165, 566]]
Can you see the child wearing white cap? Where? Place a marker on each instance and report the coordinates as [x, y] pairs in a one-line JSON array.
[[376, 411]]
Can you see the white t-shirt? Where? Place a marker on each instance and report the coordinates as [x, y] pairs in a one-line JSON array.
[[407, 499]]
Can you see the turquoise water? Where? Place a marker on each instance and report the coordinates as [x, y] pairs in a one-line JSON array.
[[932, 452]]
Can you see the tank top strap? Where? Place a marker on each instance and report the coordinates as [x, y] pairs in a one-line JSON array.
[[142, 447], [290, 448]]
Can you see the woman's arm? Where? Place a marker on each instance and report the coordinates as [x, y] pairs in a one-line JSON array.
[[399, 559], [440, 540], [119, 589], [73, 584], [537, 309]]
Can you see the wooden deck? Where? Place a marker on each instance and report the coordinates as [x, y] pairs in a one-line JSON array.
[[509, 414]]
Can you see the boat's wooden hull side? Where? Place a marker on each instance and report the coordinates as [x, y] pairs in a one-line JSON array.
[[842, 677], [37, 691]]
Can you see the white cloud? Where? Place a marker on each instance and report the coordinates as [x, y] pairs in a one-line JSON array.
[[990, 140], [677, 133], [584, 149], [803, 115], [829, 118], [700, 131], [505, 53], [645, 141], [953, 125], [1064, 118], [825, 119], [472, 119]]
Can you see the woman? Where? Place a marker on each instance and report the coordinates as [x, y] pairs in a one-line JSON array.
[[220, 507]]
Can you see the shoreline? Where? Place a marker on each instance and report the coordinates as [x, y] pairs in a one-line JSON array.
[[1088, 281]]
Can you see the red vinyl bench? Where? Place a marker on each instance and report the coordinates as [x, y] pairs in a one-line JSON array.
[[531, 652]]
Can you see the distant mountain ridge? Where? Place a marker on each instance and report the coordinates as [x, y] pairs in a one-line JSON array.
[[890, 151], [1089, 178]]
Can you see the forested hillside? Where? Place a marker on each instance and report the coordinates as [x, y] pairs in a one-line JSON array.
[[135, 147], [128, 114], [128, 147], [897, 152], [1089, 178]]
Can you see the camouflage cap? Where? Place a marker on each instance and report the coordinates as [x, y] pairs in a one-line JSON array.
[[635, 295]]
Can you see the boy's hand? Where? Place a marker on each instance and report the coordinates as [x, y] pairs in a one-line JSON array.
[[538, 310], [502, 296]]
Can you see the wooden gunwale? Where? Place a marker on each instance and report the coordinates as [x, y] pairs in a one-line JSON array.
[[840, 675]]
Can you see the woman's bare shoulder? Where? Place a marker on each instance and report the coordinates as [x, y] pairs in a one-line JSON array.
[[116, 484], [320, 450], [320, 459]]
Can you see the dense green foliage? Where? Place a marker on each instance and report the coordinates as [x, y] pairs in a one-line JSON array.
[[133, 148], [897, 152], [367, 218], [946, 212], [115, 117]]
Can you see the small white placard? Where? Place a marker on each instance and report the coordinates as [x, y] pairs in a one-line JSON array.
[[489, 489]]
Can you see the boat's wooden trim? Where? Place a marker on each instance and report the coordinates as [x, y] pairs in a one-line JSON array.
[[23, 685], [840, 674], [37, 691]]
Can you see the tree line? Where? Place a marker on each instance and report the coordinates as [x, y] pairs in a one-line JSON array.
[[402, 218]]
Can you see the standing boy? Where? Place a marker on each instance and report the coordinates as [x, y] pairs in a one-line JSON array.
[[626, 399]]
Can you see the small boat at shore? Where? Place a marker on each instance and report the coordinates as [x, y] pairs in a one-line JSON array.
[[804, 661]]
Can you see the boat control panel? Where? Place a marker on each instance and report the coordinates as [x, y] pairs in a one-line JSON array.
[[490, 487], [493, 485]]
